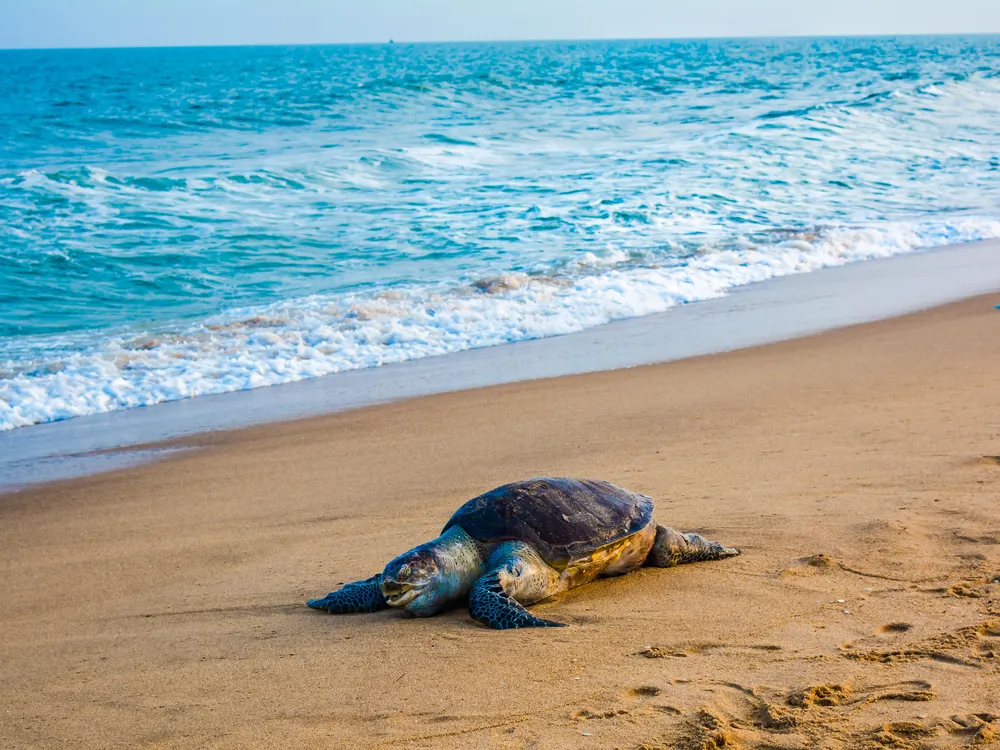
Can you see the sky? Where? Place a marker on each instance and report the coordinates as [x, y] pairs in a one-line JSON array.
[[140, 23]]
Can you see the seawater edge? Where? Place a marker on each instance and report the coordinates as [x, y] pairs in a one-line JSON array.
[[774, 310]]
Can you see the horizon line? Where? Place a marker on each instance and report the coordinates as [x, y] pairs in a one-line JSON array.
[[387, 42]]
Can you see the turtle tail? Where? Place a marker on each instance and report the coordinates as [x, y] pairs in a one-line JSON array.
[[490, 604], [360, 596], [675, 548]]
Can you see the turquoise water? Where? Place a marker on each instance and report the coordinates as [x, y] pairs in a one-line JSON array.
[[177, 222]]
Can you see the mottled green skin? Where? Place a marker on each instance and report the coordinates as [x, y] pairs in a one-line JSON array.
[[522, 543]]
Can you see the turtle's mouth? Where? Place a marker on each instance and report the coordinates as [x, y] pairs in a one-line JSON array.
[[398, 593]]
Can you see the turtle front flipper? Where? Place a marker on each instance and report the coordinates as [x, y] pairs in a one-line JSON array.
[[360, 596], [494, 607], [675, 548], [514, 570]]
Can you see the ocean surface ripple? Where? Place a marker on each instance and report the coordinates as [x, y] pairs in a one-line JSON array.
[[179, 222]]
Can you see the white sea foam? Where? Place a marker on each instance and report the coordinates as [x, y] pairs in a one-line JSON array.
[[319, 335], [438, 208]]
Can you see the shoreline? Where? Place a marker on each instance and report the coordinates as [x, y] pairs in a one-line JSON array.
[[857, 469], [775, 310]]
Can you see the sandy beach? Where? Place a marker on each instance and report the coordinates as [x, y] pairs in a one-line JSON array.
[[163, 606]]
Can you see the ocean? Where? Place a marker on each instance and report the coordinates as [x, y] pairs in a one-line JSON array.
[[189, 221]]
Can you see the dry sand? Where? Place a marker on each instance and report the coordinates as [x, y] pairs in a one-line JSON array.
[[858, 470]]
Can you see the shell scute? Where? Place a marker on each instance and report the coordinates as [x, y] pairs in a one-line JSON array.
[[563, 519]]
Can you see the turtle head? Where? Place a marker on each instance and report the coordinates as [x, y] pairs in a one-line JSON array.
[[414, 581], [428, 578]]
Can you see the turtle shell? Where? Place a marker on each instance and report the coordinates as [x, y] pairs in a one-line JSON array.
[[563, 519]]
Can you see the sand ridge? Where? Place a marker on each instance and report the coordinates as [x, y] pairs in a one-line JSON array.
[[164, 606]]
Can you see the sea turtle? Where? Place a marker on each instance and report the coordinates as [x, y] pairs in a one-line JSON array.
[[521, 543]]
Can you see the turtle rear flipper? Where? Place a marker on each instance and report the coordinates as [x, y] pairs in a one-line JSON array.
[[513, 569], [360, 596], [675, 548]]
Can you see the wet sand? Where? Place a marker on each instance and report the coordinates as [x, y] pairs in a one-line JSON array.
[[784, 307], [859, 470]]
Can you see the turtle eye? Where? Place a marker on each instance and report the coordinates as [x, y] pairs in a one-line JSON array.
[[403, 572]]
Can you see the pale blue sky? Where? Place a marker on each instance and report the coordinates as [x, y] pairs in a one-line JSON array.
[[114, 23]]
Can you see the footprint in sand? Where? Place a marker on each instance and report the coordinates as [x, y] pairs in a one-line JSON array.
[[981, 729], [659, 652], [693, 649], [910, 690], [892, 628], [644, 691], [585, 714], [977, 730], [979, 537], [760, 716], [667, 709], [820, 695], [706, 730], [965, 591], [968, 646], [814, 703], [900, 734]]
